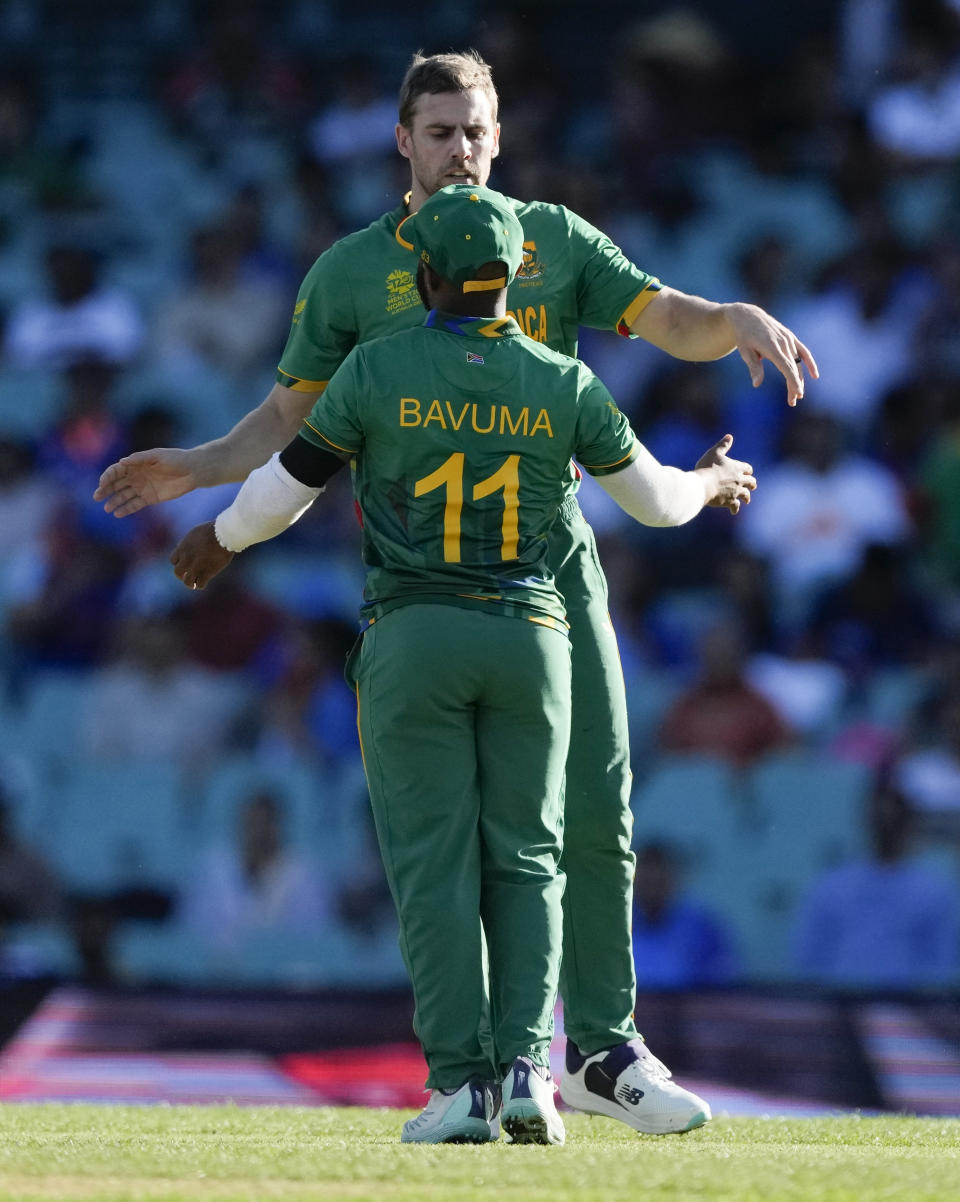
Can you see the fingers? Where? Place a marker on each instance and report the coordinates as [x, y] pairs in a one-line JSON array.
[[806, 356], [754, 362], [188, 574], [742, 496], [123, 503], [119, 497], [108, 479], [184, 569], [797, 358]]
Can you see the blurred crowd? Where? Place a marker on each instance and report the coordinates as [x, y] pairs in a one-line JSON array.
[[165, 182]]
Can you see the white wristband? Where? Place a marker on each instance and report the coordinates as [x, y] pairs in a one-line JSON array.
[[269, 501]]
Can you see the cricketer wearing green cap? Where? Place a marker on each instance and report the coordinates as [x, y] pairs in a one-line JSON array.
[[364, 286], [463, 227], [462, 430]]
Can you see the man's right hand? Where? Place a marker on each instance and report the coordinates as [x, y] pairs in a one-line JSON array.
[[145, 478], [728, 482]]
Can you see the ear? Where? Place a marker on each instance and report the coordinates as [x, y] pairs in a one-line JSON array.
[[496, 141], [403, 140]]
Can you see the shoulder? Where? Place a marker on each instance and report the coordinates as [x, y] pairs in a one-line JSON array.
[[387, 348], [543, 217], [553, 218], [367, 242], [541, 357]]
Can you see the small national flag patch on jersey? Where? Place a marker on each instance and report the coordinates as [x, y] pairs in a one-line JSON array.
[[473, 357]]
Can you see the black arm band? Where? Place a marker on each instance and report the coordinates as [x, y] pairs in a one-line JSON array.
[[308, 463]]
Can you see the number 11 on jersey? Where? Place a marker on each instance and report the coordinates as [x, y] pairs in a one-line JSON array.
[[449, 475]]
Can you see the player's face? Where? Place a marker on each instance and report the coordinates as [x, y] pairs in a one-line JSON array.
[[452, 139]]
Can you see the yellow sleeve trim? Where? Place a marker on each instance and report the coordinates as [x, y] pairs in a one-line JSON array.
[[295, 384], [602, 467], [320, 433], [637, 305]]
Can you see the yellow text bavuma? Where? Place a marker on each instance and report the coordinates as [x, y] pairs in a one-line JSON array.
[[481, 419]]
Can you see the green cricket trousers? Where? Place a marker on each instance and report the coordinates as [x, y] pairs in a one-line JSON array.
[[464, 724], [597, 981]]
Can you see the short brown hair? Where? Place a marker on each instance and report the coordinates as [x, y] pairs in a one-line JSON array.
[[436, 73]]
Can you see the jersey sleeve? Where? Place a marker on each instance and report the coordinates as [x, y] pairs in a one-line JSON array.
[[605, 441], [322, 329], [611, 291], [334, 422]]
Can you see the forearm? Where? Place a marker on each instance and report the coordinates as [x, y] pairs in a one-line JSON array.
[[251, 442], [654, 494], [687, 327]]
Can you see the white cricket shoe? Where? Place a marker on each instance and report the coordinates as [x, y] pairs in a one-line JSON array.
[[529, 1114], [468, 1115], [629, 1083]]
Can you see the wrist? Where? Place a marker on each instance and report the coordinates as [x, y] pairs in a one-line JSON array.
[[708, 482], [201, 464]]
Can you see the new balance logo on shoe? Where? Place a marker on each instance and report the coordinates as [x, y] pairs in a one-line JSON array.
[[628, 1096]]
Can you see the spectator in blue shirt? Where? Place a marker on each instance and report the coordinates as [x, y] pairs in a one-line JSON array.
[[678, 943], [890, 921]]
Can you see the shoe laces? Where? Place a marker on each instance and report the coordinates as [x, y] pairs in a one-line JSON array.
[[650, 1065]]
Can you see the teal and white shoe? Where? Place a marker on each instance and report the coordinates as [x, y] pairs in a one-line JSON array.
[[529, 1114], [468, 1115], [629, 1083]]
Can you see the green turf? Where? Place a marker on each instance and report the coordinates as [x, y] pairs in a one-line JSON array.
[[162, 1154]]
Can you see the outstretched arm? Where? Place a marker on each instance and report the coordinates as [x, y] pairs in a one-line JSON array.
[[270, 499], [689, 327], [148, 477], [658, 495]]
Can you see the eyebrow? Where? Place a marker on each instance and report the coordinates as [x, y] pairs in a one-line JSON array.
[[443, 125]]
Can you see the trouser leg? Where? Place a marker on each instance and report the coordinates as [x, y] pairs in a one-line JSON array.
[[416, 721], [597, 980], [522, 732]]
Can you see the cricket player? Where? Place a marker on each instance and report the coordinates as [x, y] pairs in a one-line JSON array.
[[571, 274], [462, 431]]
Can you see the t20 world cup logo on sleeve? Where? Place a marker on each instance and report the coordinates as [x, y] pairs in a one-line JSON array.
[[401, 291]]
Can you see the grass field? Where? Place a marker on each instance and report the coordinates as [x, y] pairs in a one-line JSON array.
[[162, 1154]]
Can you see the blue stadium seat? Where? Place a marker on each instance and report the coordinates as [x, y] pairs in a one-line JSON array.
[[811, 810], [810, 815], [649, 694], [29, 401], [691, 803], [688, 801], [301, 786], [166, 953], [49, 728], [119, 824]]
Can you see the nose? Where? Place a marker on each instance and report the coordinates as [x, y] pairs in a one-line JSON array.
[[462, 147]]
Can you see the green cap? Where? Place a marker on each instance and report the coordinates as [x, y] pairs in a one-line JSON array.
[[462, 227]]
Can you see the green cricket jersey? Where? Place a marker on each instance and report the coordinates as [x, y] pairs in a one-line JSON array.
[[463, 432], [364, 287]]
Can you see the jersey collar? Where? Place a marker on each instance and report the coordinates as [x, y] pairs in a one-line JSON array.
[[472, 327]]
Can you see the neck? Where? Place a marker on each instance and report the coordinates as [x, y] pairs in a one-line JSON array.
[[417, 197]]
